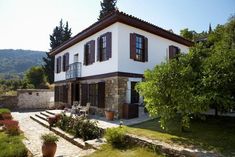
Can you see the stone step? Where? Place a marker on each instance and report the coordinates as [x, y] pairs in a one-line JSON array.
[[46, 114], [76, 141], [42, 117], [50, 112]]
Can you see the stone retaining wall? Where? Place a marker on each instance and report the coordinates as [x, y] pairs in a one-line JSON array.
[[8, 102], [35, 98]]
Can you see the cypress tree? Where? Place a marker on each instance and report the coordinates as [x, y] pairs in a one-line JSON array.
[[107, 6], [60, 34]]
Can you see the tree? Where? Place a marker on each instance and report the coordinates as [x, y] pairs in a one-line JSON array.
[[187, 34], [60, 34], [171, 89], [36, 77], [107, 7]]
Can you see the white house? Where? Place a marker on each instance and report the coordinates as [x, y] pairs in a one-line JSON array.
[[102, 64]]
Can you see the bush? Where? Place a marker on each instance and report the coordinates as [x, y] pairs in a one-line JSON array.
[[11, 127], [86, 129], [49, 138], [66, 123], [116, 137], [4, 110], [12, 146]]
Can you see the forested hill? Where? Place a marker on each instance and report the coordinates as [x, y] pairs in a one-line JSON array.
[[16, 62]]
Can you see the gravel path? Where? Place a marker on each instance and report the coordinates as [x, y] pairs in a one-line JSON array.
[[32, 131]]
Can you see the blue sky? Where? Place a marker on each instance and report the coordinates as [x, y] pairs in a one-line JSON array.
[[26, 24]]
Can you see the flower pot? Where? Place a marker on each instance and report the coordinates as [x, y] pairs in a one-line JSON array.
[[6, 116], [109, 115], [49, 149]]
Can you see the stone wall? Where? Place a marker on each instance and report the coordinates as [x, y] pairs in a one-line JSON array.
[[8, 102], [35, 98]]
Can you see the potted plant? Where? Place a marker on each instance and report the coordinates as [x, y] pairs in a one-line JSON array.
[[5, 113], [49, 144], [109, 114]]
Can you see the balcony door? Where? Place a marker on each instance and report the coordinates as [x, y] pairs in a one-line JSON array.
[[75, 58]]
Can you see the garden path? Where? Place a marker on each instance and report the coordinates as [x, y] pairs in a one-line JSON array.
[[32, 132]]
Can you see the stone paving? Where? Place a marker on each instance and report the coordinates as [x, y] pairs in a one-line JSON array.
[[32, 132]]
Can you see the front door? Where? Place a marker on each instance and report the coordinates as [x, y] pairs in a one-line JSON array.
[[134, 94], [75, 92]]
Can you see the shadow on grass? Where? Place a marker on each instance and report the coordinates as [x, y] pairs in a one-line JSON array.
[[214, 133]]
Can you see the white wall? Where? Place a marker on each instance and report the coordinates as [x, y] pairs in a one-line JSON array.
[[97, 67], [157, 50], [120, 60]]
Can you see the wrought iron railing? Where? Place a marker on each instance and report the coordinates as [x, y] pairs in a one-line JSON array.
[[74, 70]]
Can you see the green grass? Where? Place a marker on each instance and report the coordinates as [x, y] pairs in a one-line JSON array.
[[216, 134], [12, 146], [107, 151]]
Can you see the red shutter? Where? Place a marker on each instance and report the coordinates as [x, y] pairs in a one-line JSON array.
[[109, 45], [67, 62], [59, 64], [146, 49], [84, 94], [101, 95], [171, 52], [84, 57], [132, 45], [92, 51], [98, 49]]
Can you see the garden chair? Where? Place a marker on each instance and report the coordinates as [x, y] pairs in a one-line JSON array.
[[75, 107], [85, 110]]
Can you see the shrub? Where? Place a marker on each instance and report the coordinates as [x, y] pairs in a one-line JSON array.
[[66, 123], [4, 110], [116, 137], [11, 127], [86, 129], [49, 138]]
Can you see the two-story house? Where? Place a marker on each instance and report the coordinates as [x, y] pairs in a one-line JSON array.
[[103, 63]]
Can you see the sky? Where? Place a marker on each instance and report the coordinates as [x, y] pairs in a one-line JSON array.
[[27, 24]]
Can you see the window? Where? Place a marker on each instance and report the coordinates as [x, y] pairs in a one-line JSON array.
[[58, 64], [173, 52], [89, 53], [138, 47], [104, 47], [93, 94], [75, 58]]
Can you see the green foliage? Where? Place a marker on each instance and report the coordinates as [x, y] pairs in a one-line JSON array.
[[191, 83], [116, 137], [15, 62], [86, 129], [60, 34], [80, 127], [4, 110], [36, 77], [107, 7], [11, 146], [49, 138]]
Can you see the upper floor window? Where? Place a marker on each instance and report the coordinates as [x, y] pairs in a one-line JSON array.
[[58, 64], [89, 53], [173, 52], [138, 47], [65, 62], [104, 47]]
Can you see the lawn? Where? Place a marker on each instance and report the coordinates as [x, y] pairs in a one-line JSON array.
[[108, 150], [216, 134], [12, 146]]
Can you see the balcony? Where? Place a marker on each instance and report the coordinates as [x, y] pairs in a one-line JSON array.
[[73, 71]]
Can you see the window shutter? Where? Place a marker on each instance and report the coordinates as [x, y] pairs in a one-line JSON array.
[[63, 62], [84, 58], [59, 64], [67, 62], [146, 49], [101, 95], [171, 52], [132, 45], [84, 94], [109, 44], [98, 49], [56, 94], [92, 51]]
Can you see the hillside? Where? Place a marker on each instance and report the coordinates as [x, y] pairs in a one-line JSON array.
[[16, 62]]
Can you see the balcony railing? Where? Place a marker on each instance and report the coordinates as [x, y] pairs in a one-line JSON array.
[[74, 70]]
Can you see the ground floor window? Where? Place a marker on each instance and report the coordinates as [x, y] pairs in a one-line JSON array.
[[134, 94], [93, 94]]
